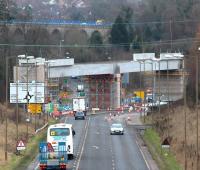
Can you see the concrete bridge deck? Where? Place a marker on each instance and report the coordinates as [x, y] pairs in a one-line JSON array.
[[59, 69]]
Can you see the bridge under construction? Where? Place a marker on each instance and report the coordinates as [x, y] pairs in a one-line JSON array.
[[104, 78]]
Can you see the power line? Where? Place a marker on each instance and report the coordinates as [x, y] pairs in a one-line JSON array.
[[165, 42]]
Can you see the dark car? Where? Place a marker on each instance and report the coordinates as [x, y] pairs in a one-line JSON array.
[[79, 115]]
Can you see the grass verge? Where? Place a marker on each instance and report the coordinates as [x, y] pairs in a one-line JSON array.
[[163, 157], [22, 161]]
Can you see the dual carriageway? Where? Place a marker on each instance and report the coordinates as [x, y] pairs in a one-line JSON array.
[[95, 148]]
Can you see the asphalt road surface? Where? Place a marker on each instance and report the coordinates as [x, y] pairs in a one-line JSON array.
[[96, 149]]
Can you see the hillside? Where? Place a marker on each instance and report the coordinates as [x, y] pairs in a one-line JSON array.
[[176, 131], [86, 10]]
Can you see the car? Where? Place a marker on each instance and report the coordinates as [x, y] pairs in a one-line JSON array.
[[79, 115], [116, 128]]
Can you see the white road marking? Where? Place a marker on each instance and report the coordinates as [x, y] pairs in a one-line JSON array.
[[96, 147], [78, 163], [36, 168], [143, 155]]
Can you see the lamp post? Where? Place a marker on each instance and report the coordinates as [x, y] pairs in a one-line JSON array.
[[185, 115], [140, 83], [35, 94], [142, 61], [151, 63], [167, 57], [17, 106], [27, 81], [6, 116], [158, 61], [197, 102], [144, 101], [48, 63]]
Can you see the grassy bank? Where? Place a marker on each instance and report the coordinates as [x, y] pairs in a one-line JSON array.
[[164, 158], [20, 162]]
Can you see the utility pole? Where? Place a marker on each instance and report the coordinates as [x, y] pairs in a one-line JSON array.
[[140, 85], [27, 93], [17, 106], [144, 91], [185, 114], [197, 102], [35, 94], [159, 88], [168, 110], [6, 116]]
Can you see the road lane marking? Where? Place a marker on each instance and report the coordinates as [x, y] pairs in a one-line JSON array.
[[36, 168], [96, 147], [86, 126], [143, 155]]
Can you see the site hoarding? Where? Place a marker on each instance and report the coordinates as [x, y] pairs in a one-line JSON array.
[[34, 94]]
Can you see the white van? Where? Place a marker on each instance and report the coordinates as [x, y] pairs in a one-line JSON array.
[[61, 132]]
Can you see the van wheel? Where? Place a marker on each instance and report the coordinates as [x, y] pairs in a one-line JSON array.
[[70, 156]]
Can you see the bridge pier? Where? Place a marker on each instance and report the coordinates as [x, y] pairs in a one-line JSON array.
[[117, 94]]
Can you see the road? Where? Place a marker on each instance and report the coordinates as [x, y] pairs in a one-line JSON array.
[[96, 149]]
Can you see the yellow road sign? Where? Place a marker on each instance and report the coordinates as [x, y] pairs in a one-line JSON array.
[[139, 94], [35, 108]]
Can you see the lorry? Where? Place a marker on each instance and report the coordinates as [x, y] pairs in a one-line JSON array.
[[53, 159], [80, 88], [79, 105]]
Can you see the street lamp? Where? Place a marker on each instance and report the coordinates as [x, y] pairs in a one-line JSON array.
[[6, 116], [166, 58], [36, 93], [152, 91], [158, 61], [140, 62], [197, 102], [49, 62], [60, 47], [27, 81], [141, 58]]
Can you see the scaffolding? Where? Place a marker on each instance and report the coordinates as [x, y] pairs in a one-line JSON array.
[[100, 88]]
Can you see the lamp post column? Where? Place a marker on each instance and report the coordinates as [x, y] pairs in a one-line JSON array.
[[6, 116]]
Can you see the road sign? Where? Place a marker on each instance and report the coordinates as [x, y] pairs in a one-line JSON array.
[[65, 81], [50, 147], [139, 93], [81, 94], [34, 94], [165, 143], [35, 108], [20, 145]]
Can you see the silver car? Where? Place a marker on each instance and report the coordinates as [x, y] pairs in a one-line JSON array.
[[116, 128]]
